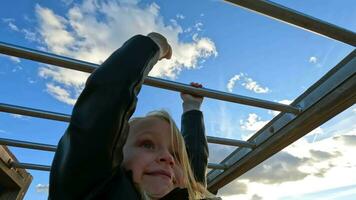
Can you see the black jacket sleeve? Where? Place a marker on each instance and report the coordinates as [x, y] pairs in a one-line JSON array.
[[193, 131], [98, 126]]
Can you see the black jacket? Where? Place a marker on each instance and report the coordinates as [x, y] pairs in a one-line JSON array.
[[83, 166]]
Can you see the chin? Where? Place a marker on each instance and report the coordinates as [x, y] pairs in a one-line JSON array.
[[156, 186], [157, 192]]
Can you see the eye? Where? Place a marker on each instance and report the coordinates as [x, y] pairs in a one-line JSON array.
[[147, 145]]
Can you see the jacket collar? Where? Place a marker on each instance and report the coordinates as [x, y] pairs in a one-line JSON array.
[[177, 194]]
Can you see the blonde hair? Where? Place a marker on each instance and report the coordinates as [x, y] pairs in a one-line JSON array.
[[195, 189]]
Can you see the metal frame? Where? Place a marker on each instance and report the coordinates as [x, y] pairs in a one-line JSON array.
[[83, 66], [332, 94], [298, 19], [48, 168], [329, 96]]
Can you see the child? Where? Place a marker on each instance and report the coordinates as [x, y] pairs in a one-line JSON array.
[[100, 157]]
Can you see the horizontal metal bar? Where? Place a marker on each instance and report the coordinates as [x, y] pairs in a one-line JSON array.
[[29, 145], [332, 94], [48, 168], [31, 166], [48, 147], [70, 63], [224, 96], [301, 20], [231, 142], [34, 112]]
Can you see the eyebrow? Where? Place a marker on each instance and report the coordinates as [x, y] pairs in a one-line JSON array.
[[143, 133]]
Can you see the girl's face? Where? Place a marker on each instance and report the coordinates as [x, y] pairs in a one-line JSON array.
[[148, 153]]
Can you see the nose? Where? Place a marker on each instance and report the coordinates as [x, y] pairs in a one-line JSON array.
[[166, 157]]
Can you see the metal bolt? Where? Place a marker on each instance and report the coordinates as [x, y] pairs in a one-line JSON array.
[[271, 129]]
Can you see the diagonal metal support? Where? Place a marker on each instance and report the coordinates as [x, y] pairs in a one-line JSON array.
[[70, 63], [298, 19], [230, 142], [332, 94]]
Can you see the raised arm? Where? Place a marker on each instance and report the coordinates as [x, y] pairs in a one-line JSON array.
[[193, 131], [98, 125]]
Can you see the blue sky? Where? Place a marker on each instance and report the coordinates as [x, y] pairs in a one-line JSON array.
[[219, 45]]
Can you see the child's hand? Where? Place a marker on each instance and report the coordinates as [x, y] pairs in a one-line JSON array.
[[161, 41], [192, 102]]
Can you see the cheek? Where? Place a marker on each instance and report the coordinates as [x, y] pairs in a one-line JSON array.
[[136, 162], [180, 181]]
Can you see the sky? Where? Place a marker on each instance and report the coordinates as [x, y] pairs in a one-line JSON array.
[[222, 46]]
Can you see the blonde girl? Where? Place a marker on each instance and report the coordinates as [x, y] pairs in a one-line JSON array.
[[104, 156]]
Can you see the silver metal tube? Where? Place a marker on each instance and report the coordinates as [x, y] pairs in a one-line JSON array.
[[298, 19], [48, 147], [31, 166], [224, 96], [70, 63], [28, 145], [230, 142], [34, 112], [48, 168], [217, 166]]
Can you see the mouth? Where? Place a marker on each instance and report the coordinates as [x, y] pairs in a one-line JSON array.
[[162, 173]]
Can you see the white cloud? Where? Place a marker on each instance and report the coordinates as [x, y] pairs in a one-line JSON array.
[[76, 35], [180, 16], [29, 35], [61, 94], [313, 59], [328, 162], [198, 26], [10, 23], [7, 20], [13, 26], [67, 2], [17, 116], [16, 68], [41, 188], [253, 123], [67, 77], [30, 80], [69, 83], [252, 85], [247, 82], [2, 131], [314, 168], [14, 59], [222, 123], [231, 84], [316, 132], [285, 101]]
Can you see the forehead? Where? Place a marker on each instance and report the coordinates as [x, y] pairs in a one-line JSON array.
[[150, 125]]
